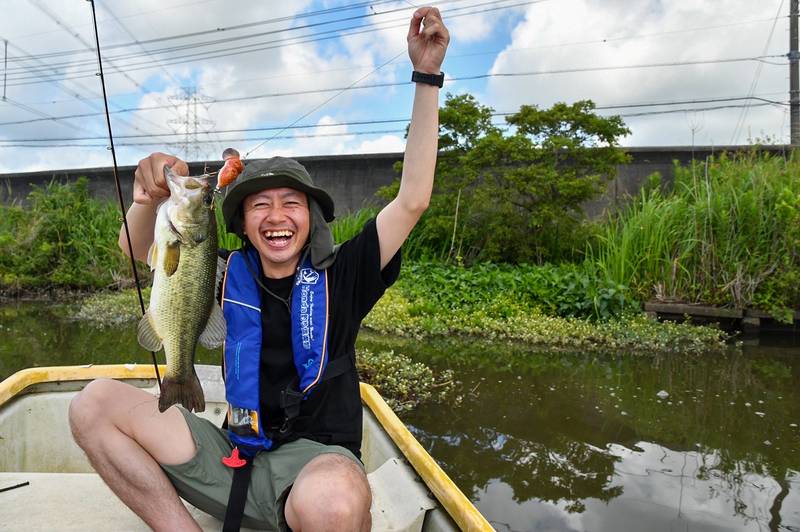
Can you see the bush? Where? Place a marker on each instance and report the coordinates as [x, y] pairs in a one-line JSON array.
[[64, 238], [564, 290], [348, 226], [515, 196]]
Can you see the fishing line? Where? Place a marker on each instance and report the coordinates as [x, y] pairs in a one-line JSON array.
[[119, 187]]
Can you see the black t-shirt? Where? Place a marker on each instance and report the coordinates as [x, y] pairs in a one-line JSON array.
[[332, 412]]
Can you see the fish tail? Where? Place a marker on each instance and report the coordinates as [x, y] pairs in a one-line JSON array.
[[187, 392]]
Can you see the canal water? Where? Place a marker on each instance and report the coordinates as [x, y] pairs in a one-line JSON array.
[[564, 441]]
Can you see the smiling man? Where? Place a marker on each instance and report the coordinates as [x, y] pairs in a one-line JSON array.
[[293, 304]]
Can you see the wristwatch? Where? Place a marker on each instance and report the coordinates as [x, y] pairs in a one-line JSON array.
[[429, 79]]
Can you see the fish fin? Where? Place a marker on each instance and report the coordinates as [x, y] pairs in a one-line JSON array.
[[216, 328], [152, 256], [187, 392], [147, 336], [171, 258]]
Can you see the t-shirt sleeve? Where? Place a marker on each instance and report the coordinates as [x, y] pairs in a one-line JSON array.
[[359, 261]]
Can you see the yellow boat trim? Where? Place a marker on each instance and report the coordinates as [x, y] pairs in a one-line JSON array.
[[463, 512], [28, 377], [454, 501]]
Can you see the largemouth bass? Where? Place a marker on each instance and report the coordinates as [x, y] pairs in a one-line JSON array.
[[183, 309]]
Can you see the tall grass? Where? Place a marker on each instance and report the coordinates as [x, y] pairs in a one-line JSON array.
[[225, 240], [727, 234], [349, 225], [63, 238]]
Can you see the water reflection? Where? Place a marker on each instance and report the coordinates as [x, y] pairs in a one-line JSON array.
[[563, 441], [34, 335], [547, 441]]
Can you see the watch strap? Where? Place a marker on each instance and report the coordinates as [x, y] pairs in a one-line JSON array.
[[429, 79]]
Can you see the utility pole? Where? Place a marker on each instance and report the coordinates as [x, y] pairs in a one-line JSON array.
[[5, 69], [794, 76], [192, 124]]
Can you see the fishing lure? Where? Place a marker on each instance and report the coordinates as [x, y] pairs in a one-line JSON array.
[[230, 170]]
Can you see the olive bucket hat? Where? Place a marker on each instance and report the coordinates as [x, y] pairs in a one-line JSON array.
[[278, 172]]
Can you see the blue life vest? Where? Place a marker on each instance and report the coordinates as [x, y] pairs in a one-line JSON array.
[[241, 305]]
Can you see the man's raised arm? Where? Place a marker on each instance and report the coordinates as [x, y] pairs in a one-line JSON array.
[[427, 42]]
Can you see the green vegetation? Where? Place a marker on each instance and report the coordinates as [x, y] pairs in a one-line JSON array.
[[503, 318], [63, 239], [504, 250], [106, 309], [404, 384], [347, 226], [515, 196], [567, 290], [727, 234], [226, 240]]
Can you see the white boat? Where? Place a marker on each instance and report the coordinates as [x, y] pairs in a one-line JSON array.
[[47, 484]]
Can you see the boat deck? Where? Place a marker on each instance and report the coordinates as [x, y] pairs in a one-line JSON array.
[[82, 501], [65, 494]]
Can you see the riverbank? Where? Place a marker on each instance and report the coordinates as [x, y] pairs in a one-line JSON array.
[[632, 333], [405, 313]]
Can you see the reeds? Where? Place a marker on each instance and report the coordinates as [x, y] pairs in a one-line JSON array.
[[349, 225], [724, 235], [225, 240]]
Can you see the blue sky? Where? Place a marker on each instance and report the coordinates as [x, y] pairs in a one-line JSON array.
[[615, 52]]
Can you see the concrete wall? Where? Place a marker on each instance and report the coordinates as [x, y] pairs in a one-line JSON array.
[[353, 179], [350, 179]]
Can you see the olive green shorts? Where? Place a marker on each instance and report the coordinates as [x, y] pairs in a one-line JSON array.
[[205, 482]]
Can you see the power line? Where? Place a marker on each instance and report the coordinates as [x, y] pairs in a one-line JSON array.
[[134, 15], [279, 43], [764, 101], [397, 84], [23, 143], [219, 30], [743, 116], [76, 35], [487, 52], [60, 84], [229, 39], [76, 145]]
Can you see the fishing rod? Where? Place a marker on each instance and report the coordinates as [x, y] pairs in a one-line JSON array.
[[119, 187]]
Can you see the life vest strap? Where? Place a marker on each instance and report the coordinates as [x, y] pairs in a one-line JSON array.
[[238, 496], [292, 398]]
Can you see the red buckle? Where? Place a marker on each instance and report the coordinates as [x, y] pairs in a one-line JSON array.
[[233, 460]]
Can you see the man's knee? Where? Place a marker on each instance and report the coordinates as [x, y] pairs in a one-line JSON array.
[[86, 408], [346, 501]]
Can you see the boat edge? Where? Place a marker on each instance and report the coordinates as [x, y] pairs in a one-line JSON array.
[[456, 504]]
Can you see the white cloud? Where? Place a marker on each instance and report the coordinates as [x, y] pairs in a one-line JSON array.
[[384, 144], [539, 40], [547, 38]]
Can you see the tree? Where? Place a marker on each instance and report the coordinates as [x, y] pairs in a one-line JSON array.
[[516, 195], [527, 187]]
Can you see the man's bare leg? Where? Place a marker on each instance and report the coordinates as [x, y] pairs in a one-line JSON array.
[[346, 501], [125, 437]]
